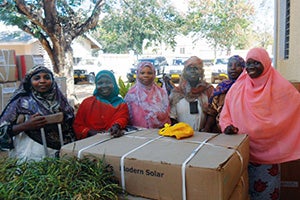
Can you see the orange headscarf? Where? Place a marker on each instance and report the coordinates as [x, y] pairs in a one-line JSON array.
[[266, 108]]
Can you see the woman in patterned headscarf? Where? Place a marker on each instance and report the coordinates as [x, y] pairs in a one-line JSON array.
[[104, 111], [20, 122], [189, 101], [148, 103], [235, 67]]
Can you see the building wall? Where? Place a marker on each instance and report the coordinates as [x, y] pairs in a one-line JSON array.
[[19, 49], [81, 48], [186, 46], [289, 68]]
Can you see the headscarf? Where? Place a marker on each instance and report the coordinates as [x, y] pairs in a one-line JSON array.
[[114, 99], [267, 109], [224, 86], [152, 99], [140, 67], [31, 101], [184, 90], [52, 101]]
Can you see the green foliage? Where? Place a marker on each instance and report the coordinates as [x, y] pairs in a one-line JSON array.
[[128, 25], [55, 24], [223, 23], [124, 87], [65, 178]]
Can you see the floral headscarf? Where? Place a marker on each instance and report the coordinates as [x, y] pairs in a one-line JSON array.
[[53, 100], [150, 99], [184, 90]]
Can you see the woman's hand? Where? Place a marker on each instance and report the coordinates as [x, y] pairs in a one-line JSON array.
[[231, 130], [116, 131], [35, 122], [92, 133]]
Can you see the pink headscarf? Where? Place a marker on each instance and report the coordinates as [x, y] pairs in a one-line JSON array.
[[148, 105], [266, 108]]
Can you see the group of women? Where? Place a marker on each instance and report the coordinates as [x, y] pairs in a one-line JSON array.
[[255, 100]]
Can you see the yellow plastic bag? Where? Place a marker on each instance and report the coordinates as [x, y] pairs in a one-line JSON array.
[[179, 130]]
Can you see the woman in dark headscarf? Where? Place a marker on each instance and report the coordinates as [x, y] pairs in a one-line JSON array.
[[24, 116], [189, 101], [104, 111], [235, 67]]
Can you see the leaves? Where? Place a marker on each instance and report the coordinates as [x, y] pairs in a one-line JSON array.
[[65, 178], [123, 88], [134, 24], [55, 23], [223, 23]]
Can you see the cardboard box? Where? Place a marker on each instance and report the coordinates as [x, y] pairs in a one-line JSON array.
[[6, 91], [290, 180], [26, 62], [205, 166], [241, 190], [8, 68]]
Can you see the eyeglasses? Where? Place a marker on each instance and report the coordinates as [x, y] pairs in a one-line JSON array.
[[252, 63]]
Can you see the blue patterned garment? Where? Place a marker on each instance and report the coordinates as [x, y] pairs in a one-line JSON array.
[[264, 181]]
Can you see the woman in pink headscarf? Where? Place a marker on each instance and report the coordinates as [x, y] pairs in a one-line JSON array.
[[147, 102], [265, 106]]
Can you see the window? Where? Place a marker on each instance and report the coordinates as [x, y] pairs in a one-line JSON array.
[[287, 30], [182, 50]]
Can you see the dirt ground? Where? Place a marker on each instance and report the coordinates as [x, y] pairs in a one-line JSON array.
[[83, 90]]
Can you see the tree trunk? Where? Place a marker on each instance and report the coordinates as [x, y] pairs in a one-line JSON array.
[[62, 59], [56, 25]]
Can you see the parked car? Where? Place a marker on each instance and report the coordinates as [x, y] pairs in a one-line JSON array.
[[174, 71], [131, 75], [86, 69], [80, 75], [159, 64]]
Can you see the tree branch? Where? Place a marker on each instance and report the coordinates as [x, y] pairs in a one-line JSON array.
[[90, 23], [34, 17]]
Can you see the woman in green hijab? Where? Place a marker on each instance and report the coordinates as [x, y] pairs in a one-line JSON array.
[[105, 111]]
